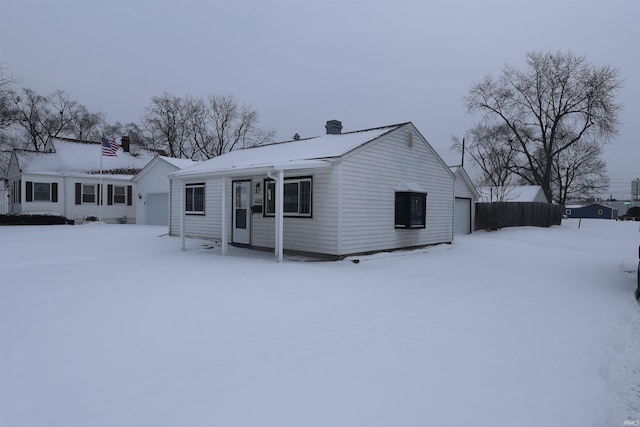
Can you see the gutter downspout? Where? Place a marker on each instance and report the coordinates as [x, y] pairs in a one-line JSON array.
[[182, 213], [223, 204]]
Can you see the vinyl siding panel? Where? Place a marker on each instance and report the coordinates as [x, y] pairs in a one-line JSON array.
[[370, 177]]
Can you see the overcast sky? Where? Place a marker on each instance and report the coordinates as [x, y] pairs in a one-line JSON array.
[[367, 63]]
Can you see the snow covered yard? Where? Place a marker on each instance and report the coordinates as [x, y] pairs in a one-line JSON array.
[[113, 325]]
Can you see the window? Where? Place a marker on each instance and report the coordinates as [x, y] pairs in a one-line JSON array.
[[296, 197], [88, 193], [119, 195], [194, 199], [410, 210], [17, 191], [41, 191], [599, 211], [568, 211]]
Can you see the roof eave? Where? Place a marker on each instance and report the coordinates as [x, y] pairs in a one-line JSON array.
[[255, 170]]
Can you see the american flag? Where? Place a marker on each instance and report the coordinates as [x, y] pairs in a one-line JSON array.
[[109, 148]]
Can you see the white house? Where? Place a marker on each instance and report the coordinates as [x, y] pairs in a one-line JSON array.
[[65, 180], [152, 189], [466, 195], [336, 195]]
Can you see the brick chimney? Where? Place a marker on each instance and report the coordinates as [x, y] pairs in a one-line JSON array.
[[125, 142], [333, 127]]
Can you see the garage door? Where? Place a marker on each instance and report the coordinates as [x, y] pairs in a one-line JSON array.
[[158, 209], [462, 216]]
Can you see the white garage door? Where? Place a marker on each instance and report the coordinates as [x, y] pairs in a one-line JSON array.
[[158, 209], [462, 216]]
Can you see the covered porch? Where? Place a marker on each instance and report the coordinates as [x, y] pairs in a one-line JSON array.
[[230, 215]]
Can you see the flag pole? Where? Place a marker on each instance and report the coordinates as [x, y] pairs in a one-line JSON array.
[[99, 199]]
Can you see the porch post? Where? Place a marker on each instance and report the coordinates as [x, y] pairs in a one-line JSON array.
[[279, 216], [223, 204], [182, 213]]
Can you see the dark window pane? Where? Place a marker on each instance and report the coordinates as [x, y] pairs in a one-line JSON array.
[[305, 197], [270, 197], [291, 197]]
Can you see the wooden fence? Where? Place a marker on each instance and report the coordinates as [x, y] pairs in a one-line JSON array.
[[492, 216]]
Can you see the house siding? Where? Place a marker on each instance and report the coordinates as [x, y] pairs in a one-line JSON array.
[[107, 213], [207, 226], [370, 177], [155, 180]]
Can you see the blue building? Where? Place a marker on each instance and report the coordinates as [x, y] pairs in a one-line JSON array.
[[595, 210]]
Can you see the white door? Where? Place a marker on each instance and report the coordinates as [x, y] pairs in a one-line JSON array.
[[462, 214], [157, 205], [241, 232]]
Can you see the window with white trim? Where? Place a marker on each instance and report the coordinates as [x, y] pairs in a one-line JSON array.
[[194, 199], [41, 191], [296, 197], [89, 193], [119, 195], [410, 209]]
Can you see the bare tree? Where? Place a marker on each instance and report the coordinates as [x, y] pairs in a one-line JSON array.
[[579, 172], [559, 100], [42, 117], [202, 129], [233, 126], [492, 151], [7, 113], [165, 120], [87, 125]]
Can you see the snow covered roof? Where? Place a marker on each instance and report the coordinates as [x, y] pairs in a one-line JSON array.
[[179, 163], [517, 193], [75, 157], [172, 161], [302, 153]]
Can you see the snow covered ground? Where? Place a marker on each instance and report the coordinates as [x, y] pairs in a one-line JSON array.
[[113, 325]]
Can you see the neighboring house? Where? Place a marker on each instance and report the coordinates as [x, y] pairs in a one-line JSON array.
[[516, 193], [152, 189], [595, 210], [466, 195], [335, 195], [65, 180]]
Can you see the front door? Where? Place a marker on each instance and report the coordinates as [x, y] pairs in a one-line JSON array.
[[241, 212]]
